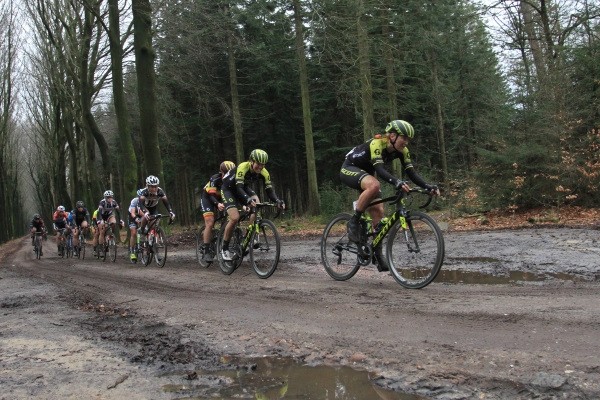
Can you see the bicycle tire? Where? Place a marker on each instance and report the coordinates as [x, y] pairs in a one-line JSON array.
[[146, 254], [235, 246], [38, 247], [159, 247], [82, 247], [338, 254], [415, 255], [264, 253], [112, 249]]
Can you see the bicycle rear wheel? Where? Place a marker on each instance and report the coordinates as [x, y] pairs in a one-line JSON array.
[[146, 254], [415, 255], [160, 248], [265, 247], [339, 255], [82, 247], [112, 249], [38, 247]]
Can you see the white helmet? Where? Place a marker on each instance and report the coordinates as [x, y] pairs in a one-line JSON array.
[[109, 193], [139, 192], [61, 208], [152, 180]]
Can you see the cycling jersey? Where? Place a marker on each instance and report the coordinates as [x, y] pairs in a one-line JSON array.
[[106, 209], [149, 202], [237, 179], [371, 157], [80, 216], [211, 195], [37, 224]]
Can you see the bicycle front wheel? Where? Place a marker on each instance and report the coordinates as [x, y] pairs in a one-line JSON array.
[[112, 249], [338, 253], [160, 248], [146, 254], [82, 248], [265, 247], [415, 254]]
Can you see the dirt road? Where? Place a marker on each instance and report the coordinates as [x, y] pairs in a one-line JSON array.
[[91, 329]]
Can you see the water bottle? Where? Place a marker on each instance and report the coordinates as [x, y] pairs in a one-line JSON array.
[[381, 223], [138, 238]]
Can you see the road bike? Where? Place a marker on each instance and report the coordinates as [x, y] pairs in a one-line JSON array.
[[37, 244], [260, 239], [220, 221], [109, 247], [155, 245], [80, 251], [414, 244], [68, 251], [61, 242]]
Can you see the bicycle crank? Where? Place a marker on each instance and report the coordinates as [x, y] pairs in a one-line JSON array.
[[365, 254]]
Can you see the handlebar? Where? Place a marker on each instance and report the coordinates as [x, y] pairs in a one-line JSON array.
[[400, 194], [261, 205]]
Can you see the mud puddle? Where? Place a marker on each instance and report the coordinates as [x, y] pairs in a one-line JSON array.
[[277, 378], [472, 277]]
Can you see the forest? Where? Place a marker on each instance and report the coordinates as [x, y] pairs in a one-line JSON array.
[[504, 97]]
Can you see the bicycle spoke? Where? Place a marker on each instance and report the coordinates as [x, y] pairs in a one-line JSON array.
[[339, 255], [160, 248], [415, 254], [264, 249]]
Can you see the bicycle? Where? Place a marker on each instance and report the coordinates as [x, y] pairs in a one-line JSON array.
[[413, 239], [216, 232], [81, 247], [155, 245], [61, 242], [265, 248], [109, 246], [68, 249], [37, 244]]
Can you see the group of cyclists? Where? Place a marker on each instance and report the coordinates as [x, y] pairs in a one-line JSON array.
[[230, 189]]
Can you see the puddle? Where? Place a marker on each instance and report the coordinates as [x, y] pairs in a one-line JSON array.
[[280, 378], [512, 277]]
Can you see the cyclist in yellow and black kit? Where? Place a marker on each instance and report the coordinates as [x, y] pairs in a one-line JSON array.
[[365, 163], [211, 202], [235, 189]]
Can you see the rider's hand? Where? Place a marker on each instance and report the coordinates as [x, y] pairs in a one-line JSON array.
[[280, 204], [402, 185], [146, 215], [251, 202], [221, 206], [433, 190], [171, 215], [121, 223]]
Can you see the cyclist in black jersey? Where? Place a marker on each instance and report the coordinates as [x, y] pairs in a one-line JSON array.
[[148, 203], [211, 201], [81, 221], [235, 189], [106, 216], [37, 225], [365, 163]]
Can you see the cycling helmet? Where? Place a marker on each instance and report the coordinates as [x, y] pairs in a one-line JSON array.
[[259, 156], [139, 192], [36, 216], [61, 208], [152, 180], [226, 166], [109, 193], [79, 204], [401, 127]]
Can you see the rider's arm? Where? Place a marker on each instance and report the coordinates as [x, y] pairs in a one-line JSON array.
[[166, 203]]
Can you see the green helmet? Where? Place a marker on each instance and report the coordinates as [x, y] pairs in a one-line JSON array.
[[259, 156], [401, 127]]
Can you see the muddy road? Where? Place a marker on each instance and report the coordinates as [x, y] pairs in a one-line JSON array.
[[515, 314]]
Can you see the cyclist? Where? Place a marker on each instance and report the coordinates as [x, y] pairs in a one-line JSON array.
[[59, 218], [37, 225], [148, 202], [235, 189], [135, 216], [211, 200], [365, 162], [106, 216], [81, 221]]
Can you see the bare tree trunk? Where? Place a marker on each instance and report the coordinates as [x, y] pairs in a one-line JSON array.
[[314, 206], [128, 159], [235, 102], [146, 85], [365, 72]]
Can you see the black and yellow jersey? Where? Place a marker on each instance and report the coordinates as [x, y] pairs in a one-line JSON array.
[[237, 178], [372, 155], [212, 189]]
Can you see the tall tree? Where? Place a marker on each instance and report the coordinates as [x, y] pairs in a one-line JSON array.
[[146, 86], [313, 206]]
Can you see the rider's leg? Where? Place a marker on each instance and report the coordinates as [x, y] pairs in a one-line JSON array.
[[102, 230], [234, 217], [75, 237], [370, 189]]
